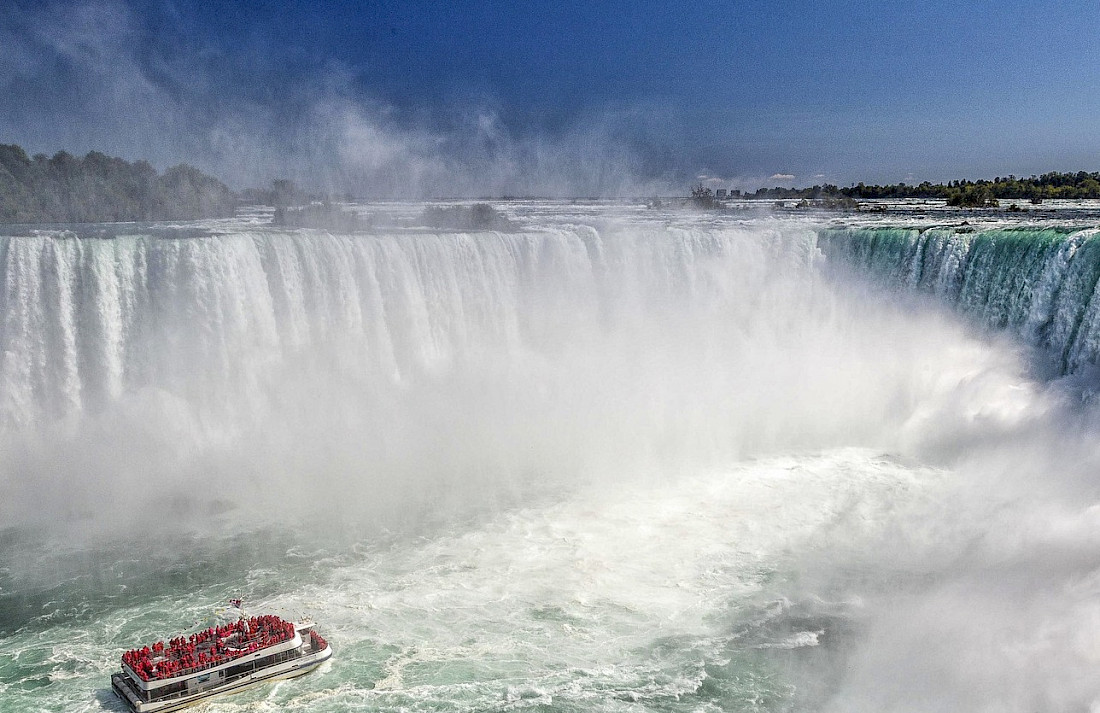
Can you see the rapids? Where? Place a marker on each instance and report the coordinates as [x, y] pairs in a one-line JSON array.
[[621, 459]]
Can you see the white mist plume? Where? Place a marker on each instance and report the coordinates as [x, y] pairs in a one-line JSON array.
[[478, 156], [398, 369], [987, 597], [314, 124]]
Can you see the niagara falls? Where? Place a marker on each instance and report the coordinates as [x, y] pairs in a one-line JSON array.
[[615, 457], [556, 359]]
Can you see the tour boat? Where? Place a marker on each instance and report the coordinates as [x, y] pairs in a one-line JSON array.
[[223, 659]]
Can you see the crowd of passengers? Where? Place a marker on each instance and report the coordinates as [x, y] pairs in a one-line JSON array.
[[216, 645]]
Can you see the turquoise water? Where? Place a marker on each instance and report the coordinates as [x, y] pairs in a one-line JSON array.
[[619, 460], [1039, 282], [670, 598]]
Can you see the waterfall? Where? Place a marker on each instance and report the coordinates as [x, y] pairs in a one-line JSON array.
[[1039, 283], [395, 366], [471, 366], [737, 449], [87, 320]]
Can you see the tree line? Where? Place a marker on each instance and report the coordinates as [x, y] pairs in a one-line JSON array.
[[98, 188], [963, 192]]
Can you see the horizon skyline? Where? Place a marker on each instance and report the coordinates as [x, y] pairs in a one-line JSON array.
[[623, 99], [1085, 181]]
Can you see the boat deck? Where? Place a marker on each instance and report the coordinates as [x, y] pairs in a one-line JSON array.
[[184, 656], [170, 675]]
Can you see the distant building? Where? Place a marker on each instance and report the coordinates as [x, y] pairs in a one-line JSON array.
[[720, 193]]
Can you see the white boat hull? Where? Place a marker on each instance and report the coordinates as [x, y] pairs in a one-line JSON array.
[[288, 669]]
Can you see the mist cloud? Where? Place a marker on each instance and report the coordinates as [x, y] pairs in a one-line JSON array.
[[95, 76]]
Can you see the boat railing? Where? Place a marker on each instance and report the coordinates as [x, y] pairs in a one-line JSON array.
[[253, 666]]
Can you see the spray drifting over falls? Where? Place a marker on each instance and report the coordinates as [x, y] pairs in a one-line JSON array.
[[618, 459], [376, 360]]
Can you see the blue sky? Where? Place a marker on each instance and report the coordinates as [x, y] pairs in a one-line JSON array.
[[563, 98]]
